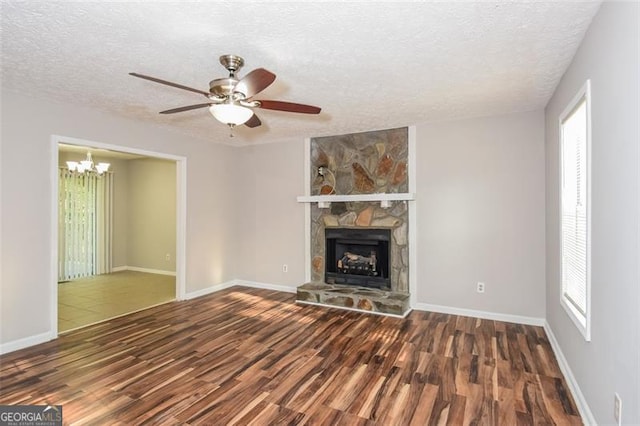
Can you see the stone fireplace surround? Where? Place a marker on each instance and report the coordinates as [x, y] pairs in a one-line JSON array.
[[364, 163]]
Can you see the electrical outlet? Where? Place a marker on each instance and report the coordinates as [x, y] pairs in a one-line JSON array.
[[167, 257], [285, 268], [617, 408], [480, 287]]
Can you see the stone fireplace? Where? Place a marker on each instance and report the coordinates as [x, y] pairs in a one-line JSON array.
[[359, 249]]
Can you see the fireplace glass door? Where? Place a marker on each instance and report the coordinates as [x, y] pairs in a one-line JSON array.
[[357, 257]]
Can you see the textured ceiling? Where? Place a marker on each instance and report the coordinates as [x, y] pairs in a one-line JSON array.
[[368, 65]]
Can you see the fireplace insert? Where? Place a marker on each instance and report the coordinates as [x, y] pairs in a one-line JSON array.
[[357, 256]]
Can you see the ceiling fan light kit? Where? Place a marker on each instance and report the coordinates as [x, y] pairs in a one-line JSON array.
[[229, 99], [230, 113]]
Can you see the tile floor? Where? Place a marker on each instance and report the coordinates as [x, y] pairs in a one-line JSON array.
[[94, 299]]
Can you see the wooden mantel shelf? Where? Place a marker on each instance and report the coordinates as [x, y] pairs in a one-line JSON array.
[[324, 201]]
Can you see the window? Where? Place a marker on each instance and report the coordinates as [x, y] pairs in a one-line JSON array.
[[84, 224], [575, 183]]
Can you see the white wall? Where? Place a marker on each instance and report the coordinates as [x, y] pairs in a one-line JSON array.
[[151, 213], [609, 56], [272, 221], [27, 126], [480, 213]]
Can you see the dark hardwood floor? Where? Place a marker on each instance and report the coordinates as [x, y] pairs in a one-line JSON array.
[[247, 356]]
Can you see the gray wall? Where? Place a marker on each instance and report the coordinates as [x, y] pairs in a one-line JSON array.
[[272, 221], [480, 201], [609, 56], [480, 213], [27, 202]]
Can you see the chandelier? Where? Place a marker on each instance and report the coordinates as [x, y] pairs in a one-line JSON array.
[[87, 166]]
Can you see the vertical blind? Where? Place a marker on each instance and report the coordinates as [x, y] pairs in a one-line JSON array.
[[84, 224], [574, 207]]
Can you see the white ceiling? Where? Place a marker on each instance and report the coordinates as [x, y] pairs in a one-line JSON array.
[[368, 65]]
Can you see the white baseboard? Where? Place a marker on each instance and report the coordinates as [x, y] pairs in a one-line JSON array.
[[242, 283], [209, 290], [479, 314], [266, 286], [147, 270], [25, 342], [581, 402]]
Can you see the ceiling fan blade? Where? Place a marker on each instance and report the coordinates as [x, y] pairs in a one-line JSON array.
[[254, 121], [168, 83], [255, 82], [185, 108], [289, 107]]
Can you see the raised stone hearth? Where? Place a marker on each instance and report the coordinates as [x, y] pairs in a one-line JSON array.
[[352, 297]]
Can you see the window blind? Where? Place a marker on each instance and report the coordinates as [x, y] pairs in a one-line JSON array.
[[574, 207], [84, 224]]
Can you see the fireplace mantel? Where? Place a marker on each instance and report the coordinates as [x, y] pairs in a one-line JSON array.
[[324, 201]]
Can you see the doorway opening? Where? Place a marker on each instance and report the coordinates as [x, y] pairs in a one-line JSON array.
[[135, 262]]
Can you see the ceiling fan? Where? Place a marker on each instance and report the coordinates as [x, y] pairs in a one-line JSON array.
[[230, 99]]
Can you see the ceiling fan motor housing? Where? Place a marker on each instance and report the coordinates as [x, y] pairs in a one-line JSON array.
[[222, 87]]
